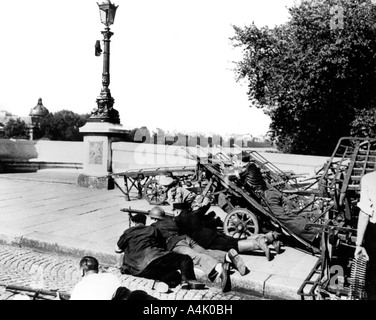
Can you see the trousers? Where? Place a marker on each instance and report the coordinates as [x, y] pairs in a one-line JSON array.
[[370, 246], [205, 260], [166, 268]]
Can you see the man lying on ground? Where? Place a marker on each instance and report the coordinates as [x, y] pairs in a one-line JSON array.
[[145, 255], [214, 263]]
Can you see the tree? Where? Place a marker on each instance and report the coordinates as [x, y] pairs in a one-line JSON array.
[[364, 124], [63, 125], [16, 129], [312, 74]]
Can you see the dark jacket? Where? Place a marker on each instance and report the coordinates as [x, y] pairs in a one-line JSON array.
[[170, 231], [141, 245], [251, 174], [191, 223]]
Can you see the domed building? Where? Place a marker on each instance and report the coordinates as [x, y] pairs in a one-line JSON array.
[[39, 111], [36, 114]]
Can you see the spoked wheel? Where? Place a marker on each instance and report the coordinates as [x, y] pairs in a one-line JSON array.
[[154, 193], [240, 223]]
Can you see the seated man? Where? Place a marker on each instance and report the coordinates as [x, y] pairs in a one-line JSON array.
[[251, 175], [176, 193], [145, 255], [191, 222], [94, 285], [214, 263]]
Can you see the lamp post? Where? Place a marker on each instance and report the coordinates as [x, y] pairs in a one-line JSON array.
[[104, 112]]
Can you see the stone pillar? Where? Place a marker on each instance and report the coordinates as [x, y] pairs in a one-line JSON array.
[[97, 163], [31, 131]]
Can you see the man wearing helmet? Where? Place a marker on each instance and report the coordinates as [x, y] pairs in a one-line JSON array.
[[214, 263], [145, 256], [193, 221]]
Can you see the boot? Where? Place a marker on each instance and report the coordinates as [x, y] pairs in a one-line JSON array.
[[237, 261], [272, 238], [255, 244], [223, 275]]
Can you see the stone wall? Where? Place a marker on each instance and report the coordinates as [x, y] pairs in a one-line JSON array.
[[25, 155], [127, 156]]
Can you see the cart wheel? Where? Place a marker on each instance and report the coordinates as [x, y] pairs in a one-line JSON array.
[[240, 223], [154, 193]]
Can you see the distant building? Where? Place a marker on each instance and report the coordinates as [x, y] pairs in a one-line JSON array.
[[36, 114], [5, 116]]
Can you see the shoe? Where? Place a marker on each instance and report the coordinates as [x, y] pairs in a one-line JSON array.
[[270, 237], [160, 286], [192, 284], [213, 275], [225, 278], [262, 242], [237, 261], [277, 246]]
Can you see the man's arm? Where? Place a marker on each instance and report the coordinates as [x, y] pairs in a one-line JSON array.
[[366, 211], [361, 229], [124, 239], [204, 207], [160, 240]]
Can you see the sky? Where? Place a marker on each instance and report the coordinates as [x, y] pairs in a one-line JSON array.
[[171, 61]]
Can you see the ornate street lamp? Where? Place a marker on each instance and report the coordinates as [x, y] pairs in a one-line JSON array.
[[104, 112]]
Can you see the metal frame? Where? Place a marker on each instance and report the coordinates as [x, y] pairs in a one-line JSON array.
[[340, 179], [138, 178], [252, 202]]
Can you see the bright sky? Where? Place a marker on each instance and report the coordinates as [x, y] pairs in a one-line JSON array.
[[171, 60]]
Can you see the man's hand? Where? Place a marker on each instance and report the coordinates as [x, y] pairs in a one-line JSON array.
[[359, 250], [206, 201]]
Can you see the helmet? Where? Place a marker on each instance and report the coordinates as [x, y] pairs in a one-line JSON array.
[[157, 213]]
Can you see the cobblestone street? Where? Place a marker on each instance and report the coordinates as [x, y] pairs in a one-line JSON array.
[[48, 271]]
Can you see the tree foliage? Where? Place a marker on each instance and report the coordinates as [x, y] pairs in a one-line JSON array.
[[364, 124], [63, 125], [313, 74], [16, 129]]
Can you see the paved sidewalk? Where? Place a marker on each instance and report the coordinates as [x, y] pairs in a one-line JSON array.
[[49, 271], [48, 211]]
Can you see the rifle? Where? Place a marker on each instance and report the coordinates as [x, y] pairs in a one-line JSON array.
[[130, 211], [37, 292]]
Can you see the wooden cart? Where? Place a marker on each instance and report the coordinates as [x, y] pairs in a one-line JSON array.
[[145, 181]]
